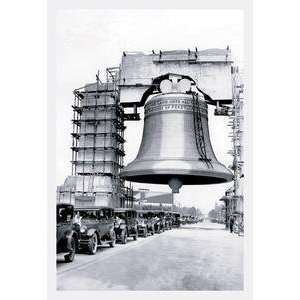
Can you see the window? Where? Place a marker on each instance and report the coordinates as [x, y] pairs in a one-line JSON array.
[[64, 214], [88, 214], [101, 214]]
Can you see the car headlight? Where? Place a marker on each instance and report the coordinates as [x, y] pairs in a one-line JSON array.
[[83, 229], [69, 235]]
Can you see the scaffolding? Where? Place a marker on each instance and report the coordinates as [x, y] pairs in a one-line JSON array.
[[236, 124], [98, 146]]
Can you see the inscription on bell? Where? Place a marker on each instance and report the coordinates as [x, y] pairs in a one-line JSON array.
[[169, 104]]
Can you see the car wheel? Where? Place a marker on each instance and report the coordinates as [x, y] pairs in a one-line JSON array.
[[113, 240], [71, 255], [93, 244], [124, 238]]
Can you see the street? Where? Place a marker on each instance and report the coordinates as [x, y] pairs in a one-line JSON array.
[[201, 256]]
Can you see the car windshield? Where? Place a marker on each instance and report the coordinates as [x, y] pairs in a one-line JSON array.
[[121, 215], [64, 213], [88, 215]]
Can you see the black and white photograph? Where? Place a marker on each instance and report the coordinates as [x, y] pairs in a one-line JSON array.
[[150, 109], [149, 150]]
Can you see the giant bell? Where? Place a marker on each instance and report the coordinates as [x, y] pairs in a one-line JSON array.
[[176, 148]]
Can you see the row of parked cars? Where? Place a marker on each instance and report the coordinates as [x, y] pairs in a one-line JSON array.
[[84, 229], [187, 219]]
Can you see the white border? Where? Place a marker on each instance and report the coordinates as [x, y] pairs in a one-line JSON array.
[[167, 4]]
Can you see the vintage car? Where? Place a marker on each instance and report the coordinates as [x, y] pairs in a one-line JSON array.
[[176, 219], [95, 227], [66, 237], [145, 223], [184, 220], [159, 221], [168, 220], [188, 219], [126, 224]]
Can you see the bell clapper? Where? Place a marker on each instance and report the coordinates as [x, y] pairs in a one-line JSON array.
[[175, 184]]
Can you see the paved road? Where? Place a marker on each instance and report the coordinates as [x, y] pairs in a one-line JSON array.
[[194, 257]]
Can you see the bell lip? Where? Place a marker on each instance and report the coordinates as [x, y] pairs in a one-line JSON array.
[[188, 178]]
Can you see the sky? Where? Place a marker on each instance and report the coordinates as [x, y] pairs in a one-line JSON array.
[[90, 40]]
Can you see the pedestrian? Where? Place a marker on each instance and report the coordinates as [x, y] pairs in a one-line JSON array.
[[231, 223]]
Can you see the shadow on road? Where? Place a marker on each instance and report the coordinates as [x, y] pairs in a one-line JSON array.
[[60, 261], [102, 248]]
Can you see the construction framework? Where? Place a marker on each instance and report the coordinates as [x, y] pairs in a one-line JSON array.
[[236, 119], [98, 145], [234, 199]]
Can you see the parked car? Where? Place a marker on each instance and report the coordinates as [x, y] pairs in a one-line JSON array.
[[176, 220], [126, 224], [159, 221], [168, 220], [184, 220], [145, 223], [189, 220], [96, 228], [193, 220], [66, 237]]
